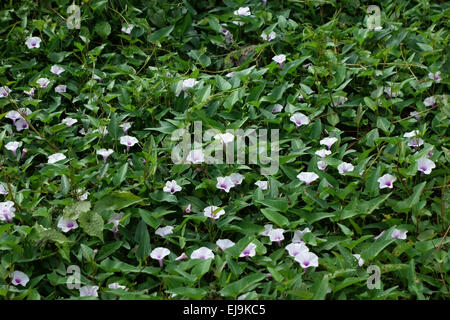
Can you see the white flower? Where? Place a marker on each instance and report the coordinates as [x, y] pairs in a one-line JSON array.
[[328, 141], [249, 251], [195, 156], [172, 187], [322, 165], [263, 185], [268, 228], [386, 181], [298, 235], [430, 101], [276, 235], [307, 177], [378, 28], [202, 253], [7, 211], [4, 91], [33, 42], [89, 291], [30, 92], [415, 142], [189, 83], [307, 259], [230, 75], [224, 183], [69, 121], [277, 108], [224, 138], [56, 157], [213, 212], [18, 277], [237, 178], [67, 224], [116, 285], [43, 82], [360, 260], [299, 119], [13, 115], [128, 141], [127, 29], [296, 248], [243, 11], [225, 244], [61, 88], [411, 134], [3, 191], [164, 231], [82, 196], [159, 254], [323, 153], [345, 167], [435, 76], [57, 70], [279, 59], [12, 146], [399, 234], [105, 153], [425, 165], [125, 126], [21, 124], [268, 37]]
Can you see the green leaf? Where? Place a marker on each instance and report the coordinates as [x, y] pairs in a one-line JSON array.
[[65, 184], [201, 268], [193, 293], [103, 29], [379, 244], [143, 238], [202, 94], [92, 223], [72, 211], [113, 129], [160, 34], [222, 84], [275, 217], [320, 288], [119, 177], [116, 200], [277, 205], [235, 288]]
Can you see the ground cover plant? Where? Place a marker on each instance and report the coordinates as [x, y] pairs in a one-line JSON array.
[[113, 115]]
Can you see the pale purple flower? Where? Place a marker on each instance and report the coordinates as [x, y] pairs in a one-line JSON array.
[[57, 70], [224, 138], [224, 244], [21, 124], [307, 177], [33, 42], [323, 153], [300, 97], [4, 91], [213, 212], [116, 285], [268, 37], [96, 77], [82, 196], [435, 76], [188, 208], [299, 119], [69, 121], [103, 130], [13, 146], [322, 165], [230, 74], [195, 156], [345, 167], [399, 234], [224, 183], [89, 291], [425, 165], [307, 259], [298, 235], [429, 102], [276, 235], [392, 94], [243, 11], [115, 220], [3, 191], [277, 108], [360, 260], [386, 181], [128, 141], [61, 88], [181, 257], [202, 253], [263, 185], [189, 83], [7, 211], [411, 134], [13, 115], [296, 248], [43, 82], [67, 224], [30, 92], [378, 236], [236, 178], [172, 187], [267, 229], [340, 101], [105, 153], [279, 59], [127, 29], [56, 157], [159, 254], [415, 114], [249, 251], [18, 277], [329, 141], [415, 142], [125, 126], [164, 231]]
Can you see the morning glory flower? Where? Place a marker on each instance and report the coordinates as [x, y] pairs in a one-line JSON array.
[[56, 157], [57, 70], [399, 234], [279, 59], [328, 141], [391, 94], [7, 211], [188, 84], [30, 92], [237, 178], [425, 165], [386, 181], [18, 277], [115, 220], [345, 167], [277, 108], [33, 42], [268, 228], [249, 251], [360, 260], [263, 185], [164, 231], [12, 146], [323, 153], [429, 102], [415, 114], [307, 259], [127, 29], [243, 11], [296, 248], [340, 101], [224, 138], [202, 253], [378, 236], [411, 134], [276, 235], [82, 196], [230, 75], [181, 257], [21, 124], [225, 244], [102, 129], [67, 224], [159, 254], [105, 153], [125, 126], [61, 88], [4, 91], [96, 77], [195, 156], [307, 177], [69, 121], [116, 285], [268, 37], [415, 142], [3, 191], [43, 82], [298, 235], [299, 119], [89, 291], [224, 183], [188, 208], [128, 141], [172, 187], [435, 76], [13, 115], [322, 165], [378, 28], [213, 212]]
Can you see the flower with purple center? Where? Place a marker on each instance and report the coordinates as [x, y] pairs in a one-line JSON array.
[[7, 211], [188, 208], [105, 153], [267, 229], [224, 138], [21, 124], [386, 181], [29, 93], [415, 142], [277, 108], [213, 212], [415, 114], [249, 251], [202, 253], [224, 244], [43, 82], [323, 153], [322, 165], [195, 156], [3, 190], [159, 254], [102, 129], [307, 177], [429, 102], [435, 76], [171, 187], [236, 178], [296, 248], [276, 235], [33, 42], [329, 141], [224, 183], [345, 167], [125, 126], [299, 119], [340, 101], [57, 70], [4, 91], [392, 94], [56, 157], [13, 146], [61, 88], [164, 231], [307, 259], [115, 220], [263, 185], [69, 121], [268, 37], [298, 235], [399, 234], [19, 278], [279, 59], [89, 291], [67, 224], [360, 260], [128, 141], [82, 196], [188, 84], [425, 165], [13, 115]]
